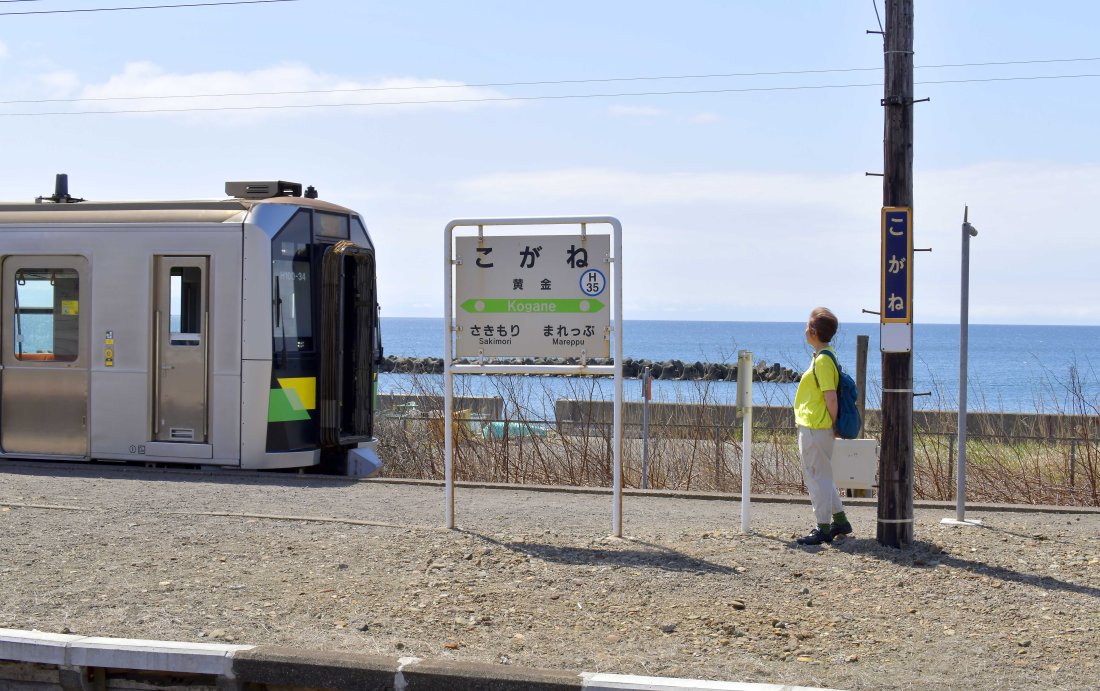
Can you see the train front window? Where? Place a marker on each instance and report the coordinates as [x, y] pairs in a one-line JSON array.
[[47, 309], [331, 226], [291, 284]]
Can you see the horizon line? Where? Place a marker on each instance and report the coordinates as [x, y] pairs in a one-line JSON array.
[[795, 321]]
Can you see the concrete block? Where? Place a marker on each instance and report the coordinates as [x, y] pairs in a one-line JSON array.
[[35, 646], [315, 669], [476, 676], [623, 682], [164, 656]]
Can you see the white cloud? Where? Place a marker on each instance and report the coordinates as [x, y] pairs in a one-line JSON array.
[[281, 90], [764, 246], [1033, 259], [635, 111], [3, 50], [59, 83], [589, 184], [706, 118]]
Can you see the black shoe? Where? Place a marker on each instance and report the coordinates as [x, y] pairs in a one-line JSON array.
[[840, 529], [816, 537]]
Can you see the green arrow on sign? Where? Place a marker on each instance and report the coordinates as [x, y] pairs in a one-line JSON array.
[[532, 306]]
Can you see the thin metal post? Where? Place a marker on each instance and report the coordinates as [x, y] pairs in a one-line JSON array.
[[968, 231], [617, 258], [744, 389], [448, 381], [964, 337], [645, 428]]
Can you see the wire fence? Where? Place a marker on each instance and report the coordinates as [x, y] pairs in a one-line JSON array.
[[706, 457], [558, 431]]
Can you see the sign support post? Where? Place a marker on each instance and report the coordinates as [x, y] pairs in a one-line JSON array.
[[507, 309], [744, 408], [645, 427], [895, 498]]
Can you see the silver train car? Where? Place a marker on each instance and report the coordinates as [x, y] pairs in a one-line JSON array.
[[240, 332]]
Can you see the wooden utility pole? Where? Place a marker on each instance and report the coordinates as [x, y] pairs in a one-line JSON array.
[[895, 497]]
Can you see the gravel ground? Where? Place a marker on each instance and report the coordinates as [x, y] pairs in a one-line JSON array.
[[532, 579]]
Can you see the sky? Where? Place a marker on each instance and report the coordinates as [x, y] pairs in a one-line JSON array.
[[742, 197]]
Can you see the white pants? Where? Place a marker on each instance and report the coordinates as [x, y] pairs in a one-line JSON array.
[[816, 448]]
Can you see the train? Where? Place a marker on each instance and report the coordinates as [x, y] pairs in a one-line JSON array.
[[237, 332]]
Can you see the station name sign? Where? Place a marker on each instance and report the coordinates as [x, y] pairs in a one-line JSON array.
[[897, 265], [533, 296]]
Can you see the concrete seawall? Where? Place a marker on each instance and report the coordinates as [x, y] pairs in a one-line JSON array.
[[573, 413], [1002, 425], [662, 370]]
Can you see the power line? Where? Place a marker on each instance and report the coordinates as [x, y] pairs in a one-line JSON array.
[[546, 97], [1007, 79], [141, 7], [1006, 62], [487, 99], [557, 82]]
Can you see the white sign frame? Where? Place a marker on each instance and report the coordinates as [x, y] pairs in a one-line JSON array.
[[451, 367]]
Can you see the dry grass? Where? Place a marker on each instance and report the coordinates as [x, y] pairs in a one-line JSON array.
[[697, 455]]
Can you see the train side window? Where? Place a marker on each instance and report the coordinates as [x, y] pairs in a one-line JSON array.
[[185, 286], [359, 233], [47, 315]]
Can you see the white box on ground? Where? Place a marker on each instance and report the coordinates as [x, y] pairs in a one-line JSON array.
[[855, 463]]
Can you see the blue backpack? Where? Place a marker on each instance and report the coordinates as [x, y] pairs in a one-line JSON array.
[[848, 422]]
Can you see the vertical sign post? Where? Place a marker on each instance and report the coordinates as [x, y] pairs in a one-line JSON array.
[[744, 408], [895, 339], [646, 391], [895, 499], [895, 502]]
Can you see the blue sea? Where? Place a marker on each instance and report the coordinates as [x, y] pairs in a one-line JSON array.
[[1011, 368]]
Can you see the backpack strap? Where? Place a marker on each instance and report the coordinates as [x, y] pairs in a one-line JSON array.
[[813, 368]]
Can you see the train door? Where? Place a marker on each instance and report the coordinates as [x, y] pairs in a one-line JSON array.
[[44, 378], [348, 344], [181, 349]]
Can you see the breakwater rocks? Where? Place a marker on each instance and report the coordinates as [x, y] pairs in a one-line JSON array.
[[632, 369]]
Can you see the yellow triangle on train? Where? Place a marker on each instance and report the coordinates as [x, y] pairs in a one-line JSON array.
[[304, 387]]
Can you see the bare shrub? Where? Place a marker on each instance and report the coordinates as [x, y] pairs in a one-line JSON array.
[[695, 445]]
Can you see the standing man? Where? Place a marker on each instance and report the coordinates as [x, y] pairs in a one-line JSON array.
[[815, 410]]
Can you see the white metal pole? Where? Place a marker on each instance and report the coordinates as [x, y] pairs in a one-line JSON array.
[[448, 380], [645, 428], [968, 231], [744, 386], [617, 510]]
